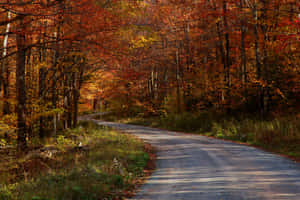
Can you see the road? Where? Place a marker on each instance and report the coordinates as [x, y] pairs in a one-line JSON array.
[[191, 167]]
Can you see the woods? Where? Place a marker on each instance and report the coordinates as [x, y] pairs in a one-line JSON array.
[[150, 57], [228, 69], [223, 56], [48, 49]]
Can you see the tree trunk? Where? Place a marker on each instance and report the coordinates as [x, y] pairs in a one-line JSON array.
[[264, 29], [42, 77], [20, 85], [5, 72], [243, 49], [258, 60], [178, 95], [54, 78], [221, 48], [227, 46], [95, 102], [6, 94], [78, 84], [56, 57], [41, 94], [256, 42]]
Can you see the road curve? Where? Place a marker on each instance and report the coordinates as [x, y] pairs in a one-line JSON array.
[[191, 167]]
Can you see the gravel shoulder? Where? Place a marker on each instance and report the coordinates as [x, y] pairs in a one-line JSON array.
[[197, 167]]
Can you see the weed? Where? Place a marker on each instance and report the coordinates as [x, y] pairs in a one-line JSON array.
[[105, 164], [278, 135]]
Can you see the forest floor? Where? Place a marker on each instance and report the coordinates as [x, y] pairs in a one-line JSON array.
[[196, 167], [86, 163]]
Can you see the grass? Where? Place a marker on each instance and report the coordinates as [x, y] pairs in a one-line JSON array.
[[87, 163], [276, 135]]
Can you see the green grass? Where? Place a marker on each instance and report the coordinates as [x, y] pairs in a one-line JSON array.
[[276, 135], [107, 164]]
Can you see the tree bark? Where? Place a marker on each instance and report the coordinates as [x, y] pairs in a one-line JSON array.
[[256, 42], [243, 49], [20, 85], [5, 72], [227, 46], [258, 58]]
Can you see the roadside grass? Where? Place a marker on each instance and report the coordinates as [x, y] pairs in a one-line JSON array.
[[280, 135], [86, 163]]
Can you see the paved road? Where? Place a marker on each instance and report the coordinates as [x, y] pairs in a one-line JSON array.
[[193, 167]]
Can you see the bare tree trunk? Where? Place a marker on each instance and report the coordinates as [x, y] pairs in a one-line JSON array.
[[74, 101], [57, 35], [221, 48], [77, 87], [65, 111], [256, 42], [178, 95], [54, 78], [95, 103], [186, 90], [264, 29], [243, 49], [227, 46], [67, 100], [41, 95], [20, 85], [5, 72], [6, 94], [258, 59], [42, 77]]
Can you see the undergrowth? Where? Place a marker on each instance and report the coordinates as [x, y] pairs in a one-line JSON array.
[[88, 163], [281, 135]]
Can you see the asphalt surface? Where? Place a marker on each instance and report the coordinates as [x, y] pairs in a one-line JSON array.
[[191, 167]]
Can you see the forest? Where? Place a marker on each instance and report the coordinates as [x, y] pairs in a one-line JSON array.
[[229, 68], [145, 57]]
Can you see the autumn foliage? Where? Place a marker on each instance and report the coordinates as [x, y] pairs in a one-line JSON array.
[[149, 57], [225, 56], [49, 49]]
